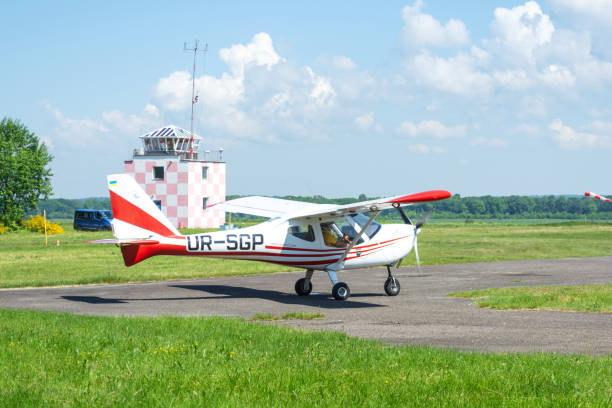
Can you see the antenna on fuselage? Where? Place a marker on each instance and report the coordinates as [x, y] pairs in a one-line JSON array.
[[194, 98]]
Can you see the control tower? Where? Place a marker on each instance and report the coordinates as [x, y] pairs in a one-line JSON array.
[[170, 168]]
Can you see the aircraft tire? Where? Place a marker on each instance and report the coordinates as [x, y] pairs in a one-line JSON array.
[[341, 291], [302, 288], [390, 288]]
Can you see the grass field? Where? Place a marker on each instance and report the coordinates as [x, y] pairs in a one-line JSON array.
[[25, 261], [50, 359], [589, 298]]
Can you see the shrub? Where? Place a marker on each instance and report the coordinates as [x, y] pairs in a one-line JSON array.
[[3, 228], [38, 224]]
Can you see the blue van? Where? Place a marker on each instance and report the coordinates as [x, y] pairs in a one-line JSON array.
[[94, 220]]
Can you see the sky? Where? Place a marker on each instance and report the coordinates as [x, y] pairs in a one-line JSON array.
[[323, 98]]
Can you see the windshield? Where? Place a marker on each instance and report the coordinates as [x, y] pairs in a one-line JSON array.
[[107, 214], [361, 220]]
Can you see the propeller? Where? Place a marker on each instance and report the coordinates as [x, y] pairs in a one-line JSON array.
[[417, 230]]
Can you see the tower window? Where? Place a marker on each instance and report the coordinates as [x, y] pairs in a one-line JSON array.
[[204, 202], [158, 173], [204, 172]]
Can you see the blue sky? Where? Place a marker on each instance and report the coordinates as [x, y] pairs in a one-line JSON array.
[[381, 98]]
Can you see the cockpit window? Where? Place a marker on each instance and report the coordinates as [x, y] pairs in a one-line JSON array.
[[340, 233], [361, 220], [305, 232]]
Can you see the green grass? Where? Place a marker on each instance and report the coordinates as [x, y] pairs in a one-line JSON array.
[[287, 316], [49, 359], [25, 261], [586, 298]]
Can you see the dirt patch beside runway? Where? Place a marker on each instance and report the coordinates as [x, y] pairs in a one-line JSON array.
[[422, 314]]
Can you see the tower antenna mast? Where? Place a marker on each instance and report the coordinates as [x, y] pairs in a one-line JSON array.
[[194, 99]]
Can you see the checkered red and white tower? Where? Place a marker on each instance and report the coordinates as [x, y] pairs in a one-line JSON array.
[[169, 169]]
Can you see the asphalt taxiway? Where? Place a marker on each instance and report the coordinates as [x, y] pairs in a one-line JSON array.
[[422, 313]]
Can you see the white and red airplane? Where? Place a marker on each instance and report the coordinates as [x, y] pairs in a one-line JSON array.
[[324, 237]]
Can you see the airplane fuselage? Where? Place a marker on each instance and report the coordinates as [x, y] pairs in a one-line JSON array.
[[270, 242]]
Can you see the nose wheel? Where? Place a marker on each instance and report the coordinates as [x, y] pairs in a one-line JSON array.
[[392, 285], [341, 291]]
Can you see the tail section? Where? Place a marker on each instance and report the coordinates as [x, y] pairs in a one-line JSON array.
[[138, 224], [135, 215]]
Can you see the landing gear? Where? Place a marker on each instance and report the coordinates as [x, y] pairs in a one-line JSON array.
[[392, 285], [303, 286], [341, 291]]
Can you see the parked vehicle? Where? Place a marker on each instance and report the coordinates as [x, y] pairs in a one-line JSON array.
[[94, 220]]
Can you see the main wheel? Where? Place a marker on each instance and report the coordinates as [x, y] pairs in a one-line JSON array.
[[302, 287], [392, 287], [341, 291]]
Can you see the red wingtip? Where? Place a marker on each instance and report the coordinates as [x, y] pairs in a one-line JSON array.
[[433, 195]]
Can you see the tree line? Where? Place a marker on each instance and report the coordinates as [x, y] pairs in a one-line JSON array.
[[456, 207]]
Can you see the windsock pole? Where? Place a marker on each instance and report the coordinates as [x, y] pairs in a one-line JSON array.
[[45, 221]]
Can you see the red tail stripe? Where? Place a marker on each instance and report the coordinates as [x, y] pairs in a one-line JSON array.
[[127, 212]]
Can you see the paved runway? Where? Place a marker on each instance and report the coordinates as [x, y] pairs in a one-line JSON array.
[[421, 314]]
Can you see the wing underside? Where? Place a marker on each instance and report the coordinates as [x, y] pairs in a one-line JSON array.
[[264, 206]]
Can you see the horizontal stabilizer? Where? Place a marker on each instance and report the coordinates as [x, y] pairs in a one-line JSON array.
[[125, 241]]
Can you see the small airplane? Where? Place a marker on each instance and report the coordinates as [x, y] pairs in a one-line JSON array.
[[322, 237], [597, 196]]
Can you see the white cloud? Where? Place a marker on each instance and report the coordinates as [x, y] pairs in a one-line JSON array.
[[522, 29], [423, 30], [322, 93], [594, 71], [599, 127], [259, 52], [366, 122], [457, 75], [343, 63], [594, 9], [431, 128], [113, 127], [568, 138], [557, 77], [514, 79], [260, 96], [76, 132], [424, 149], [151, 110]]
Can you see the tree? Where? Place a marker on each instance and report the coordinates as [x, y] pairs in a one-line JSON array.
[[24, 176]]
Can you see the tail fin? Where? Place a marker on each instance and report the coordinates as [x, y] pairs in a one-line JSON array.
[[136, 216]]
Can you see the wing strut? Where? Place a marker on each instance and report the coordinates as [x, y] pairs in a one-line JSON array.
[[339, 264]]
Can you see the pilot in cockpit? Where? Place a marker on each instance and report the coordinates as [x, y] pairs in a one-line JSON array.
[[333, 237]]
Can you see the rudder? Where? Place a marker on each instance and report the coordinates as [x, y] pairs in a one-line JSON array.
[[135, 215]]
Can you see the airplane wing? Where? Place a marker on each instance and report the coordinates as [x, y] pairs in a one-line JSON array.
[[264, 206], [371, 205], [276, 207]]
